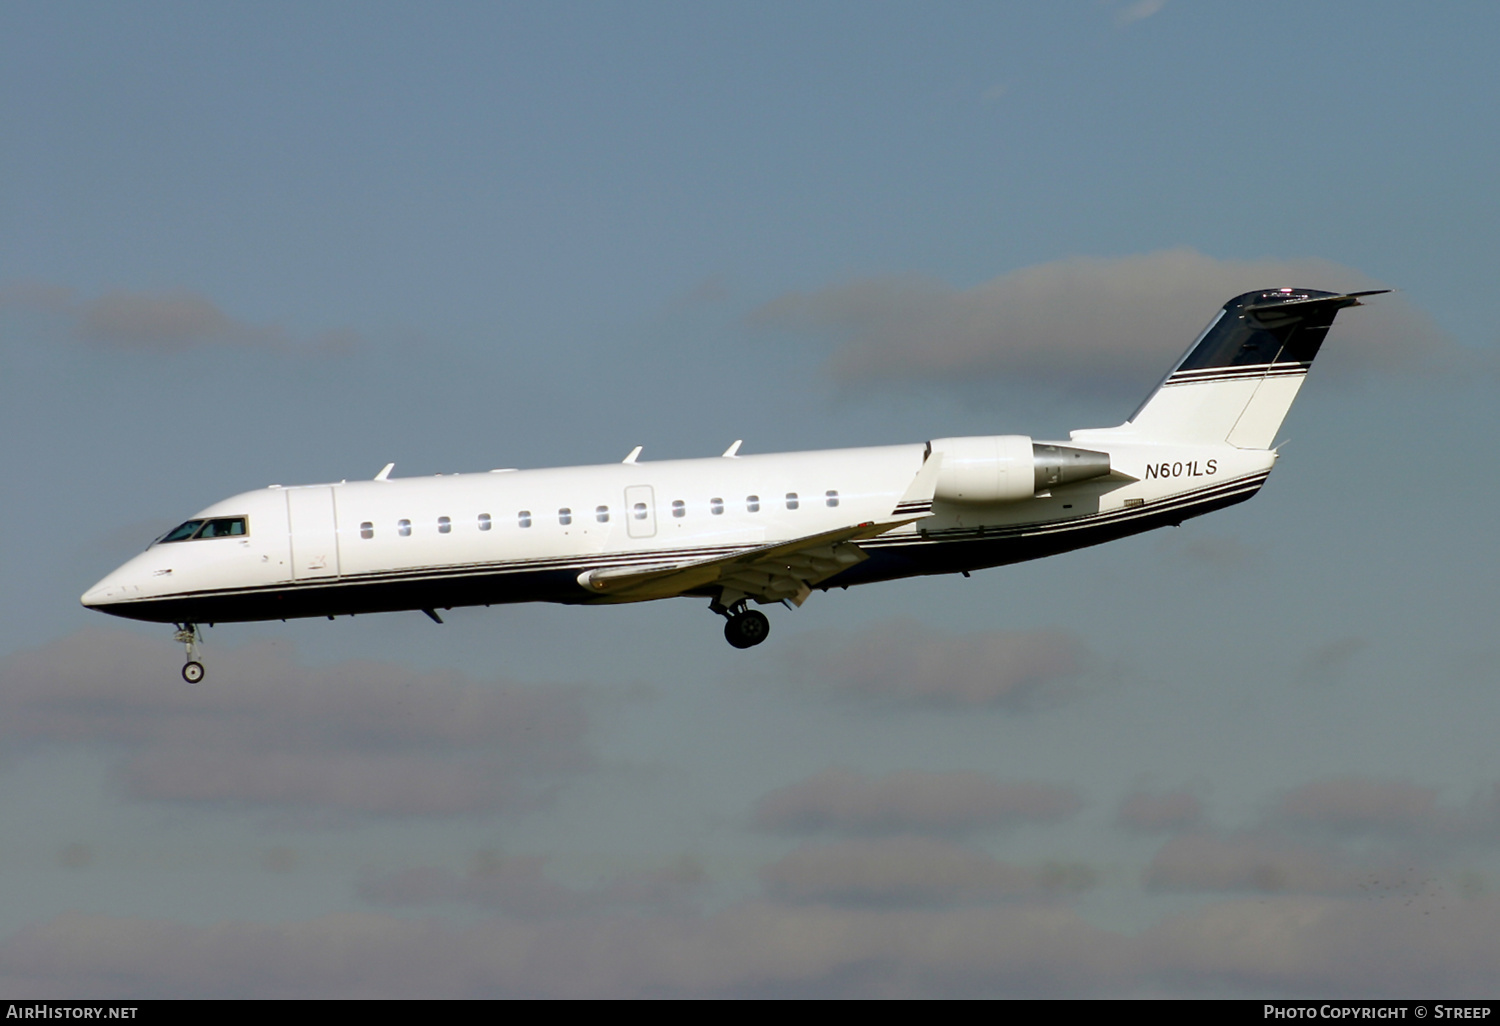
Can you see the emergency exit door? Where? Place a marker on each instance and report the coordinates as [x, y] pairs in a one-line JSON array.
[[640, 511]]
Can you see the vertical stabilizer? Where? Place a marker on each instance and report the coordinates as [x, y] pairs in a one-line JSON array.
[[1237, 381]]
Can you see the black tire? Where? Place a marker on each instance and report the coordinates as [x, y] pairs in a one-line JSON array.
[[193, 672], [748, 629]]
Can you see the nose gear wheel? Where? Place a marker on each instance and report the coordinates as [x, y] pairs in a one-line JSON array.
[[190, 638]]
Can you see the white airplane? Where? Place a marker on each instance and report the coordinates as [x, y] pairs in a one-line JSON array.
[[736, 529]]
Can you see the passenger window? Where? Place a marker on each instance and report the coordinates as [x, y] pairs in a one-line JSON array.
[[832, 497], [601, 514], [791, 500], [752, 503], [639, 510], [679, 508], [524, 518], [403, 528], [716, 506], [484, 521], [445, 526], [565, 516], [367, 530]]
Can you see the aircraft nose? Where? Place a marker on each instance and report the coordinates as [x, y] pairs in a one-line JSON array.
[[100, 594], [115, 587]]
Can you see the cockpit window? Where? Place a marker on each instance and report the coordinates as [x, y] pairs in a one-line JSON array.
[[224, 527], [182, 533], [219, 527]]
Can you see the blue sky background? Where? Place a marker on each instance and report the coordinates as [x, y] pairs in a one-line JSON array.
[[1252, 756]]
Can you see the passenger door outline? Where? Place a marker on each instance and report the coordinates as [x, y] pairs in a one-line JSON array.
[[640, 527]]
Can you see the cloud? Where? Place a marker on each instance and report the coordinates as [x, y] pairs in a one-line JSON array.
[[909, 662], [890, 871], [1259, 862], [1329, 947], [1084, 319], [1139, 11], [519, 886], [1361, 805], [1356, 806], [910, 801], [1171, 811], [1289, 945], [162, 322], [709, 291], [36, 296], [356, 737], [1329, 661], [752, 949], [1212, 553]]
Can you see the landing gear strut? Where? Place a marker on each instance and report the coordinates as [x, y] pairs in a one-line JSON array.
[[746, 627], [188, 635]]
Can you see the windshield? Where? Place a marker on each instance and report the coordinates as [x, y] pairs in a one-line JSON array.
[[218, 527]]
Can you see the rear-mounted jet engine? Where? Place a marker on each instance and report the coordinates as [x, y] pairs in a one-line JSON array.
[[1008, 468]]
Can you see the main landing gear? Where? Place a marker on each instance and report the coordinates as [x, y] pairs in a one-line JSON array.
[[745, 628], [190, 638]]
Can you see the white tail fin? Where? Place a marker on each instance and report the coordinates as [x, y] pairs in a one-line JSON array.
[[1236, 383]]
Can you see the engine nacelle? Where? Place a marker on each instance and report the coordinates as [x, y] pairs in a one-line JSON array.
[[988, 468], [1008, 468]]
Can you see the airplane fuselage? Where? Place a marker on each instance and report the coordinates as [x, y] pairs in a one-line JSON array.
[[528, 535]]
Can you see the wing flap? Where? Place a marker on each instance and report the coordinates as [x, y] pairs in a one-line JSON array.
[[780, 571]]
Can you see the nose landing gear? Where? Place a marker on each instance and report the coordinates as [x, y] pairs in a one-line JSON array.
[[190, 638]]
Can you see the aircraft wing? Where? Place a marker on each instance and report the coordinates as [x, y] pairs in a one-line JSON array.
[[781, 571]]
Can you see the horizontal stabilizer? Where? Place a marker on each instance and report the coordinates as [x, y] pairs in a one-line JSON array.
[[1337, 302]]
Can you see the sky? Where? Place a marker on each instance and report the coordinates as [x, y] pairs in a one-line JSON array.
[[1252, 756]]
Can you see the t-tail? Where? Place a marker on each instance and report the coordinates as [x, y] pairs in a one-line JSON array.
[[1237, 381]]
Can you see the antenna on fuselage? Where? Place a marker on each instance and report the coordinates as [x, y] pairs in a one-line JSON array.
[[735, 448], [633, 454], [385, 472]]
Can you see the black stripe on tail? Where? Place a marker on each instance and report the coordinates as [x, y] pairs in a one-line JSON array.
[[1270, 331]]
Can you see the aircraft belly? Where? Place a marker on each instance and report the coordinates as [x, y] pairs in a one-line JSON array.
[[344, 598]]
